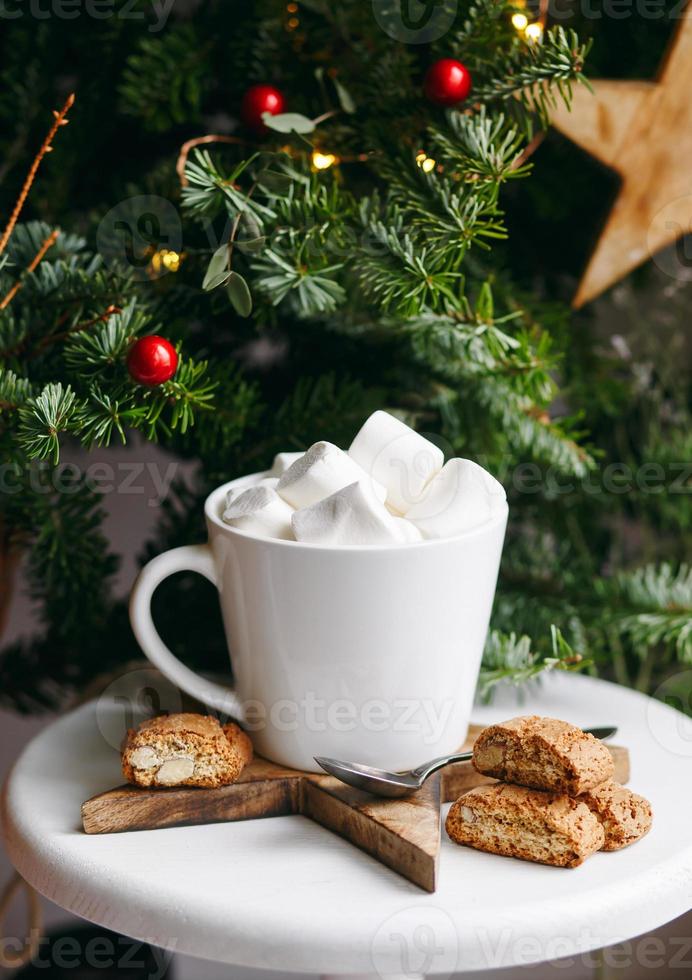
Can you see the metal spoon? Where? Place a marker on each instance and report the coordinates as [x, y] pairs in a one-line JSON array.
[[381, 782]]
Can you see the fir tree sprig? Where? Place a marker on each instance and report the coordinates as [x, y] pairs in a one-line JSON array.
[[159, 98], [652, 608], [15, 391], [44, 417], [481, 146], [536, 73], [102, 343], [508, 658]]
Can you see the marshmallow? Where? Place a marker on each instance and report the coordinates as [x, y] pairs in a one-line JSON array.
[[352, 515], [407, 531], [396, 456], [260, 511], [461, 496], [281, 463], [321, 471], [235, 492]]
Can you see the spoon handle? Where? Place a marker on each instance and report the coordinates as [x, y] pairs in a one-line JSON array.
[[428, 768]]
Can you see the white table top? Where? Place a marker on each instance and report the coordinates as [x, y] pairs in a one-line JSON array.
[[286, 894]]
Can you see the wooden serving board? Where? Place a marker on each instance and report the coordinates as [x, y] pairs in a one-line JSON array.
[[403, 834]]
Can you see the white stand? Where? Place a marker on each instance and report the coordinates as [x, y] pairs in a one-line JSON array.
[[371, 976], [288, 895]]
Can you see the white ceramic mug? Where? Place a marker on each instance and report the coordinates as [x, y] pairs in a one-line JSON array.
[[369, 654]]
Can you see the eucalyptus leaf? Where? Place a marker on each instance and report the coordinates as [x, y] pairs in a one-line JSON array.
[[345, 99], [288, 122], [251, 245], [218, 269], [239, 294], [215, 281], [249, 227]]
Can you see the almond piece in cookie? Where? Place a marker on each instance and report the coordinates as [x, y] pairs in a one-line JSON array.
[[543, 753], [185, 750], [528, 824], [624, 816]]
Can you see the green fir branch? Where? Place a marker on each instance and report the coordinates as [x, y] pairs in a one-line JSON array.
[[482, 147], [157, 96], [653, 608], [281, 276], [43, 418], [102, 415], [209, 190], [508, 658], [15, 391], [104, 344], [401, 275], [530, 431], [536, 74]]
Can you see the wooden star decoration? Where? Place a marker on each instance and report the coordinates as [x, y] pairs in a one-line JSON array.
[[642, 130], [403, 834]]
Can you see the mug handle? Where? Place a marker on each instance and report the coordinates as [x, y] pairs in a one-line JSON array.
[[190, 558]]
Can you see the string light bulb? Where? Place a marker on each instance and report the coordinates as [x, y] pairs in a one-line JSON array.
[[520, 22], [165, 260], [323, 161], [534, 32], [426, 163]]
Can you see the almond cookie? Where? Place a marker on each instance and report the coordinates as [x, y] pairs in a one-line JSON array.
[[528, 824], [624, 816], [543, 753], [185, 750]]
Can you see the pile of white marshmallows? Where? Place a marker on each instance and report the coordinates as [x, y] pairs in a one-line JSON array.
[[391, 487]]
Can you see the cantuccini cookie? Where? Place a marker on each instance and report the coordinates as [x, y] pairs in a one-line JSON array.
[[543, 753], [185, 750], [624, 816], [528, 824]]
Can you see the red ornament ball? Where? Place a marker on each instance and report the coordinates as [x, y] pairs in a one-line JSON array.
[[447, 82], [152, 360], [259, 99]]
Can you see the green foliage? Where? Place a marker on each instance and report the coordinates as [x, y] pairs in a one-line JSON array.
[[74, 320], [60, 524], [652, 609], [165, 78], [535, 75], [482, 147], [43, 419], [508, 658], [418, 274], [104, 345], [401, 275], [49, 329], [14, 391]]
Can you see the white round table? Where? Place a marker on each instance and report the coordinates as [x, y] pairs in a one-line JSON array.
[[286, 894]]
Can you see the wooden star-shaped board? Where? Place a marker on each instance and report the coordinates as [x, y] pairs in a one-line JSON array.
[[403, 834], [643, 130]]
